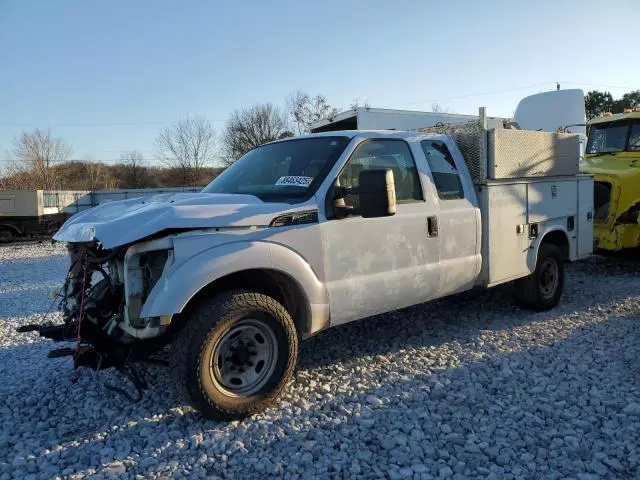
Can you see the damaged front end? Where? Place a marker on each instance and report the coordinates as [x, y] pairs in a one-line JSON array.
[[101, 303], [617, 214]]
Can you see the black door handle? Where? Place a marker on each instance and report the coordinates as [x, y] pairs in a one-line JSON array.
[[432, 226]]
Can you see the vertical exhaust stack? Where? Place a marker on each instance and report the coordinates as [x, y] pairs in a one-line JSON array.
[[482, 114]]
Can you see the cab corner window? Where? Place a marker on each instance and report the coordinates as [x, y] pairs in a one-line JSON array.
[[383, 153], [443, 170]]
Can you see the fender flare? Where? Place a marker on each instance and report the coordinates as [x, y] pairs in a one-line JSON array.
[[178, 286], [532, 258], [11, 226]]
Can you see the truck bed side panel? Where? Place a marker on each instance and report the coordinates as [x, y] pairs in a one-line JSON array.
[[509, 209], [552, 200]]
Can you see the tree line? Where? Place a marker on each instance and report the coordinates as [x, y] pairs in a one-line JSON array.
[[187, 150], [596, 102]]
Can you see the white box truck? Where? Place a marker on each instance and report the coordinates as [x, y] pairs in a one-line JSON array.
[[307, 233], [33, 212]]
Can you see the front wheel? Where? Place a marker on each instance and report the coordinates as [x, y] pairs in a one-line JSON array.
[[6, 235], [542, 289], [235, 354]]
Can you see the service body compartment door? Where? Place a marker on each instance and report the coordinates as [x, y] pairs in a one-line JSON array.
[[552, 199], [554, 203], [505, 240]]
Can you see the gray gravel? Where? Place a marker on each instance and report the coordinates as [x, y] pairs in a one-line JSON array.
[[469, 386]]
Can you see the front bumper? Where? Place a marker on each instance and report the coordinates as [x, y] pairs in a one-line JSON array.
[[619, 237]]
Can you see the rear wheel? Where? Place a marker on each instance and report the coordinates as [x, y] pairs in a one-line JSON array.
[[6, 235], [235, 355], [542, 289]]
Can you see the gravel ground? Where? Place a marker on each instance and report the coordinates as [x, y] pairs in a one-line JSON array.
[[469, 386]]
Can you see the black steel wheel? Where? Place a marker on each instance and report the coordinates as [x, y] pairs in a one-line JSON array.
[[543, 288], [6, 235], [235, 354]]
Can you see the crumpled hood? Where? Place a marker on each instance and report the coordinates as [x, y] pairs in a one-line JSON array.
[[125, 221]]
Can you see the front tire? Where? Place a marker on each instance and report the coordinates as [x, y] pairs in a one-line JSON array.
[[542, 289], [235, 354], [6, 235]]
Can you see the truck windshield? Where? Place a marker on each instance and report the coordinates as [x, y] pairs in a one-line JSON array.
[[281, 171], [614, 137]]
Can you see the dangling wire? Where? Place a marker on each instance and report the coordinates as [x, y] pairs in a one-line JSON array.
[[81, 314], [53, 302]]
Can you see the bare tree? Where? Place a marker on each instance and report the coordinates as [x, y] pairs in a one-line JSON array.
[[437, 108], [13, 177], [38, 152], [94, 179], [109, 180], [187, 145], [251, 127], [134, 172], [306, 110], [355, 105]]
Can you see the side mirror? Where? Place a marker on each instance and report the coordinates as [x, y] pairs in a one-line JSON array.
[[377, 193]]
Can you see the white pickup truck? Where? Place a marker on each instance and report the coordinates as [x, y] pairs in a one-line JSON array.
[[307, 233]]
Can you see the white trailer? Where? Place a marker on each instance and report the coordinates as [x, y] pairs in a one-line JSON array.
[[96, 197], [41, 212], [33, 212]]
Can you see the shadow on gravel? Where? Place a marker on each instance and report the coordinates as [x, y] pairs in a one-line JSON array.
[[545, 412], [476, 311], [563, 403], [610, 264]]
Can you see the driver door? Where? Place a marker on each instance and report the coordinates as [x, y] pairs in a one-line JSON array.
[[375, 265]]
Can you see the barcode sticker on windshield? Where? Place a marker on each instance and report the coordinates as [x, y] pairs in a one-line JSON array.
[[294, 180]]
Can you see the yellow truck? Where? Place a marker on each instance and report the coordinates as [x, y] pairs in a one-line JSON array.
[[613, 156]]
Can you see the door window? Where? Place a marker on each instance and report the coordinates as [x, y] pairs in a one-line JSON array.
[[443, 169], [383, 153]]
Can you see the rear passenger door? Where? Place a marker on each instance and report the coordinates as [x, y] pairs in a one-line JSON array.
[[458, 217]]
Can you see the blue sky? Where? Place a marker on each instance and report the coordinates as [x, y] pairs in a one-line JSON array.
[[107, 76]]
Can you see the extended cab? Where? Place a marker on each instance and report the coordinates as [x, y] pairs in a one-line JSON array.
[[307, 233]]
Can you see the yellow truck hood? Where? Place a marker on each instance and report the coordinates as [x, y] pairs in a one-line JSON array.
[[620, 164]]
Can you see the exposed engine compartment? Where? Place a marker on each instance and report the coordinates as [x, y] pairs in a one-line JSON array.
[[98, 312], [83, 298]]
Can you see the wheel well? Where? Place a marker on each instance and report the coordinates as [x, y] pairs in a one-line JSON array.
[[10, 227], [560, 240], [273, 283]]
